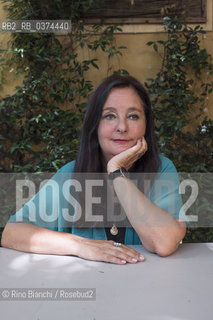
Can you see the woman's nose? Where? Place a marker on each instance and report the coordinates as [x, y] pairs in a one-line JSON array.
[[121, 125]]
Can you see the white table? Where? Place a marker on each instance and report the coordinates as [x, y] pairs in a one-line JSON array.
[[176, 287]]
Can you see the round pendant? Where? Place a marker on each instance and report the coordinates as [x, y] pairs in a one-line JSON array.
[[114, 230]]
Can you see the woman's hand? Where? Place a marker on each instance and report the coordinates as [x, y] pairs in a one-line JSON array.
[[128, 157], [104, 250]]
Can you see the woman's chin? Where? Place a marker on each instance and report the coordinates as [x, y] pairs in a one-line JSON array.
[[120, 149]]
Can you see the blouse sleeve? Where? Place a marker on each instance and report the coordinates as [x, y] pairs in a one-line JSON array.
[[45, 208], [165, 190]]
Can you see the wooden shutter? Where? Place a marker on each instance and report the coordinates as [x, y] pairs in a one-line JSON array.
[[145, 11]]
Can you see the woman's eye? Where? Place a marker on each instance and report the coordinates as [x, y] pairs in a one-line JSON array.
[[133, 116], [109, 116]]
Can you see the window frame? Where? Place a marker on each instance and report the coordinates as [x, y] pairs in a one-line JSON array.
[[142, 25]]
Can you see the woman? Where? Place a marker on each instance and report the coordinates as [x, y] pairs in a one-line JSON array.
[[117, 135]]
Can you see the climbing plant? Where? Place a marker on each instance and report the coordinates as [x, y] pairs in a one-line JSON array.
[[41, 120], [180, 93], [39, 123]]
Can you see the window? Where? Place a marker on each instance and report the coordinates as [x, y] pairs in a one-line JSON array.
[[146, 11]]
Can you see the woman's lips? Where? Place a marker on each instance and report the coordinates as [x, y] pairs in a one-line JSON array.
[[120, 141]]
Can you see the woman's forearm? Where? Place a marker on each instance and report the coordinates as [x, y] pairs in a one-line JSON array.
[[30, 238], [158, 230]]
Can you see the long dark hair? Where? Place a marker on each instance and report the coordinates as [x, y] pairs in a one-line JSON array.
[[89, 154]]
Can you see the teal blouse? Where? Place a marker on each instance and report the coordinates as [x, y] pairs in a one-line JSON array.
[[48, 208]]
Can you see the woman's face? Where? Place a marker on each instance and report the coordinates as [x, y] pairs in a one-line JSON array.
[[122, 122]]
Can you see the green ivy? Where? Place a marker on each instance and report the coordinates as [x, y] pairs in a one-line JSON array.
[[181, 87], [175, 99], [40, 122]]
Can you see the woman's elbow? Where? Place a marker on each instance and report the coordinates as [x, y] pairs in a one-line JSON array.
[[10, 235], [5, 238], [166, 251], [172, 243]]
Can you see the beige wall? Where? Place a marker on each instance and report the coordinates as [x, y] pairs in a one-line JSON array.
[[139, 59], [10, 83]]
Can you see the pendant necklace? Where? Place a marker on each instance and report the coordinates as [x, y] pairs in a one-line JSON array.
[[114, 230]]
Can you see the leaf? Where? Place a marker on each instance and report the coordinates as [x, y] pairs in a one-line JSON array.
[[155, 47], [94, 64]]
